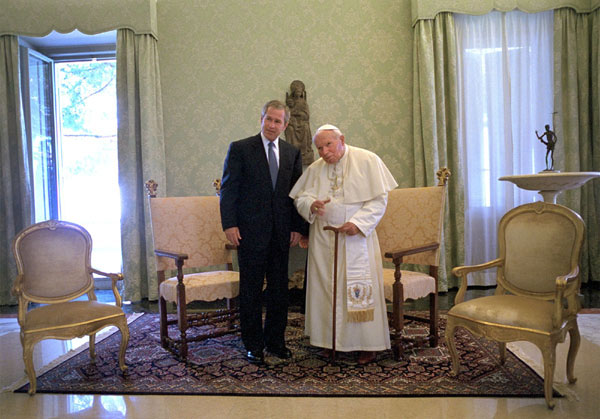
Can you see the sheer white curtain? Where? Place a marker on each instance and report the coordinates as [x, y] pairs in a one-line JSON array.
[[505, 95]]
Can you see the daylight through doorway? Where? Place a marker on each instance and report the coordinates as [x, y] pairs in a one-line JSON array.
[[87, 155]]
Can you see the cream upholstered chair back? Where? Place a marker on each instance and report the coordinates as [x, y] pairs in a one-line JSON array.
[[191, 223], [538, 243], [414, 216], [51, 251]]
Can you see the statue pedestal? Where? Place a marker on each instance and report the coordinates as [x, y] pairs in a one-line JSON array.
[[551, 184]]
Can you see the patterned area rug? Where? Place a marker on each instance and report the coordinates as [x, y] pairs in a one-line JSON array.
[[218, 367]]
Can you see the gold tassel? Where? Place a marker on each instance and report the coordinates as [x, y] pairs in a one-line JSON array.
[[360, 316]]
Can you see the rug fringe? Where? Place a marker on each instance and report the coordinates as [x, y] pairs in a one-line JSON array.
[[62, 358]]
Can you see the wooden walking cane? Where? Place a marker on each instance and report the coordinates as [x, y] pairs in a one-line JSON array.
[[336, 230]]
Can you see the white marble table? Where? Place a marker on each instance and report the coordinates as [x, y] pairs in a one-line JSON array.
[[550, 184]]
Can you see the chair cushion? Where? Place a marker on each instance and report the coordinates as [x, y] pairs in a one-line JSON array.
[[203, 286], [508, 310], [69, 314], [415, 284]]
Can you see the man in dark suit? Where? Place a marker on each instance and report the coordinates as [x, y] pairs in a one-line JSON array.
[[259, 217]]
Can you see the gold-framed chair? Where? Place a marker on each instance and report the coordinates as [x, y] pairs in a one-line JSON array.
[[537, 294], [410, 232], [187, 230], [54, 269]]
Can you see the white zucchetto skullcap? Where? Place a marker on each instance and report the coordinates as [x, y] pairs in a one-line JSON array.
[[327, 127]]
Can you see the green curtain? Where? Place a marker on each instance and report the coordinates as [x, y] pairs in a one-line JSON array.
[[15, 199], [435, 129], [576, 101], [141, 154]]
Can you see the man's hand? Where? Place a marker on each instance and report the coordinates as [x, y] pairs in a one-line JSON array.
[[349, 228], [318, 207], [233, 235], [294, 238], [304, 242]]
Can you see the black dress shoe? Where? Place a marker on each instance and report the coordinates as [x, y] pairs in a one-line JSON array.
[[282, 352], [255, 357]]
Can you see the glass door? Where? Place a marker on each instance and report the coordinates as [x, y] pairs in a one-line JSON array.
[[41, 130], [70, 112]]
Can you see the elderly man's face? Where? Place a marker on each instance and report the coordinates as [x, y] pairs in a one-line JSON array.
[[273, 123], [330, 146]]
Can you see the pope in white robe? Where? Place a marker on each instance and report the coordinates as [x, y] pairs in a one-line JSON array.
[[347, 188]]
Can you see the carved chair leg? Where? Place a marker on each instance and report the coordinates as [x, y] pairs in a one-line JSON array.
[[164, 331], [433, 320], [122, 325], [93, 347], [398, 308], [231, 304], [452, 347], [183, 325], [549, 356], [397, 347], [575, 341], [398, 320], [502, 352], [29, 368], [162, 311], [182, 319]]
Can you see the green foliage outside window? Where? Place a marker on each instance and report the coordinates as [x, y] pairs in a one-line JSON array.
[[81, 83]]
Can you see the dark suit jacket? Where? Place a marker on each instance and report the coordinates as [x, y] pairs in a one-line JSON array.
[[248, 200]]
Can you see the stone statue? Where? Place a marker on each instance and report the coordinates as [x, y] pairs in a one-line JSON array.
[[298, 129], [550, 142]]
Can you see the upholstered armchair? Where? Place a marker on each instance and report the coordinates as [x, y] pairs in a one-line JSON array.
[[187, 230], [538, 283], [410, 232], [54, 270]]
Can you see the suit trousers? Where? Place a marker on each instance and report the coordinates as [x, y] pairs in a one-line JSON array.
[[254, 266]]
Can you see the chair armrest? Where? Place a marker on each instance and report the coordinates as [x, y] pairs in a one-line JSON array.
[[399, 254], [573, 304], [114, 278], [16, 288], [463, 271], [173, 255], [179, 261], [568, 278], [17, 291]]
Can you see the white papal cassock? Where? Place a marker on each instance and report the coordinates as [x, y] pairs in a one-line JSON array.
[[357, 186]]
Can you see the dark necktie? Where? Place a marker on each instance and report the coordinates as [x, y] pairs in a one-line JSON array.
[[272, 164]]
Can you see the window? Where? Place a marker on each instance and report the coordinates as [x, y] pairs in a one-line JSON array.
[[505, 80], [71, 121]]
